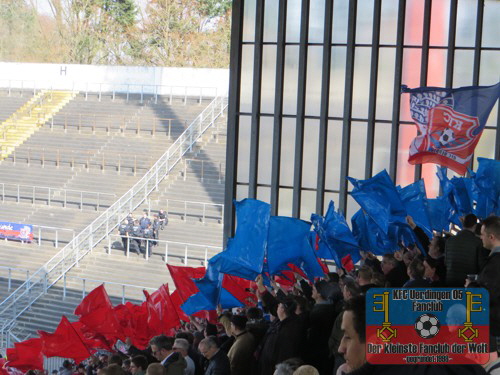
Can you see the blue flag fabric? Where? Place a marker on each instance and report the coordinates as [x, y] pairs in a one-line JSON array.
[[464, 201], [450, 123], [379, 198], [448, 196], [245, 253], [335, 234], [439, 211], [211, 293], [487, 180], [288, 242], [414, 199], [370, 237]]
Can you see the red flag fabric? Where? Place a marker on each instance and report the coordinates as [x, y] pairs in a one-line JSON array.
[[3, 370], [92, 340], [164, 305], [154, 320], [96, 312], [347, 263], [296, 269], [237, 287], [133, 321], [177, 301], [182, 277], [64, 342], [26, 355]]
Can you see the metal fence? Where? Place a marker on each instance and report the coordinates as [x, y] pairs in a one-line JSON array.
[[36, 286]]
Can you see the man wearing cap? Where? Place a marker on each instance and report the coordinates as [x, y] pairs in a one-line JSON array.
[[241, 352]]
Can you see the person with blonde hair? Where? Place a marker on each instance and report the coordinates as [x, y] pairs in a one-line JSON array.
[[306, 370]]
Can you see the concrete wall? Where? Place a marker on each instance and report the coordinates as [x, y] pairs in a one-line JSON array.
[[95, 78]]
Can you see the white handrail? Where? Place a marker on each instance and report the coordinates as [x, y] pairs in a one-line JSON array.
[[203, 205], [24, 296]]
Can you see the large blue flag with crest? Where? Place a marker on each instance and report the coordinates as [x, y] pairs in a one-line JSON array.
[[450, 123]]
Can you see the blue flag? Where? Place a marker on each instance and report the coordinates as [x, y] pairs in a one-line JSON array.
[[462, 195], [448, 196], [487, 180], [335, 234], [370, 237], [439, 211], [450, 123], [379, 198], [414, 199], [288, 242], [245, 253]]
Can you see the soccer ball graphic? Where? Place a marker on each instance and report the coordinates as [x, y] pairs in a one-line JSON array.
[[427, 326], [447, 136]]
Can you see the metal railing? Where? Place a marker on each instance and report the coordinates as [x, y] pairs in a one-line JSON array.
[[24, 296], [85, 281], [50, 196], [181, 250], [127, 89], [38, 232], [14, 273], [185, 209], [213, 170]]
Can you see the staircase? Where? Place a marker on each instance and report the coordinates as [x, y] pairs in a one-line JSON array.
[[26, 120]]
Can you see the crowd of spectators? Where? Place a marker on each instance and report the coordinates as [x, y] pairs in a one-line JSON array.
[[319, 328], [138, 235]]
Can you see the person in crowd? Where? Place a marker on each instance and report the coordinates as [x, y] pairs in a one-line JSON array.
[[155, 225], [218, 362], [489, 277], [138, 365], [116, 359], [67, 368], [156, 369], [306, 370], [364, 278], [130, 219], [285, 334], [395, 274], [241, 353], [162, 348], [182, 346], [463, 253], [288, 367], [162, 216], [416, 272], [123, 231], [114, 369], [256, 324], [431, 272], [193, 352], [321, 319], [144, 221], [126, 365], [148, 235], [136, 231]]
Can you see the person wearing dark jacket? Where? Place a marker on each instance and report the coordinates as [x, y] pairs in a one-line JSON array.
[[463, 253], [218, 362], [416, 272], [283, 338], [162, 348], [395, 274], [321, 319]]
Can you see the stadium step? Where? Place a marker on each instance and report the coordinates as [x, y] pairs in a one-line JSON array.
[[26, 120]]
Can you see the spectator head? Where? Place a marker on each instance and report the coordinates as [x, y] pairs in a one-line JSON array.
[[351, 289], [388, 263], [238, 324], [321, 290], [333, 277], [80, 368], [181, 346], [408, 257], [67, 364], [306, 370], [365, 274], [161, 346], [185, 335], [126, 365], [302, 305], [54, 372], [116, 359], [138, 364], [198, 336], [490, 232], [210, 330], [254, 313], [144, 214], [430, 267], [286, 308], [288, 366], [437, 247], [156, 369], [352, 345], [115, 369], [136, 222], [378, 279], [416, 269], [208, 347], [470, 222]]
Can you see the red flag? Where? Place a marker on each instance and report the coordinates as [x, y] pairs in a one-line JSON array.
[[91, 339], [96, 312], [238, 288], [168, 314], [64, 342], [347, 263], [296, 269], [182, 277], [26, 355], [154, 320], [133, 321], [177, 301]]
